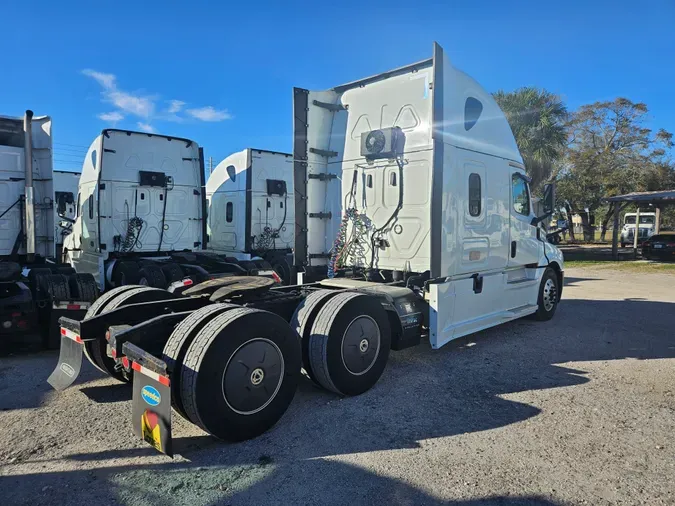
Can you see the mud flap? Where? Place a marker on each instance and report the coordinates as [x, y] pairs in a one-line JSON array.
[[69, 365], [151, 408]]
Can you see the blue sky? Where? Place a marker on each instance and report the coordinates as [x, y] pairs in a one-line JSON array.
[[222, 73]]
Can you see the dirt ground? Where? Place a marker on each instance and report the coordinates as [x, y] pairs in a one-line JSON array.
[[579, 410]]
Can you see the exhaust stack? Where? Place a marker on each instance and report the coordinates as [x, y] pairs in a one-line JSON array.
[[30, 196]]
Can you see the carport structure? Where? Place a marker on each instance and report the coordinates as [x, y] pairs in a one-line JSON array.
[[657, 200]]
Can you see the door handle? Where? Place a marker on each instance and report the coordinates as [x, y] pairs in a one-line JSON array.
[[513, 249]]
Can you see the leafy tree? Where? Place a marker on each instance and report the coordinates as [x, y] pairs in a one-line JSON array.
[[611, 152], [537, 118]]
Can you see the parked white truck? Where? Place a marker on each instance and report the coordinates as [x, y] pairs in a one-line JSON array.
[[645, 228], [251, 208], [65, 195], [437, 240], [34, 291]]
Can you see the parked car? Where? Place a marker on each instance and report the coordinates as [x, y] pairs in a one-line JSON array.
[[659, 247]]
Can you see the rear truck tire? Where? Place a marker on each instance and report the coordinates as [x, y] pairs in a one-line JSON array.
[[179, 342], [152, 275], [95, 350], [56, 286], [240, 373], [251, 267], [172, 272], [349, 343], [302, 320], [83, 287], [126, 273], [34, 280], [548, 296]]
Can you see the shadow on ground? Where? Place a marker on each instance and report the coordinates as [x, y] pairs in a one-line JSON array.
[[423, 394]]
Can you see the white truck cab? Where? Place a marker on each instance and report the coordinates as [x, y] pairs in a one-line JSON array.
[[251, 208], [645, 228], [140, 195], [423, 167]]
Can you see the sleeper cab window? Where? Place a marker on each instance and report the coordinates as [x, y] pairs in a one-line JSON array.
[[228, 212], [520, 195], [474, 195], [472, 111]]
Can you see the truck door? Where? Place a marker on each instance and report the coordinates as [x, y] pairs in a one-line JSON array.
[[524, 247]]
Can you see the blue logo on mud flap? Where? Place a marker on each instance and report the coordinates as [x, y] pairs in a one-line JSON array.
[[151, 395]]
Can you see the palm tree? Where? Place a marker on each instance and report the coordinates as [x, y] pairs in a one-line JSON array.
[[537, 118]]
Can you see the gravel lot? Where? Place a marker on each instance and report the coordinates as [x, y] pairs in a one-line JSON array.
[[580, 410]]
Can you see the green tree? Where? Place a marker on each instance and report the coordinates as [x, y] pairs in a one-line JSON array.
[[611, 152], [537, 118]]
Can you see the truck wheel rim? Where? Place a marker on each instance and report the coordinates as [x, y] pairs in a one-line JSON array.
[[360, 345], [550, 294], [253, 376]]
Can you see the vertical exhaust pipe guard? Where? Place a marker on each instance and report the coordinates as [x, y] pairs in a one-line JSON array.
[[30, 197]]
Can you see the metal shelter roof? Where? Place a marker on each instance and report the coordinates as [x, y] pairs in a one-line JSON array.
[[663, 196]]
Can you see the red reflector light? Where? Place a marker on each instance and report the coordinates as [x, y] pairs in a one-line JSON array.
[[188, 282], [125, 362], [73, 306], [276, 277], [113, 352], [63, 331]]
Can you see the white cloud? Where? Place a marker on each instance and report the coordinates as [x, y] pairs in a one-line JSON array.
[[208, 113], [105, 80], [133, 104], [146, 127], [145, 106], [175, 106], [111, 116]]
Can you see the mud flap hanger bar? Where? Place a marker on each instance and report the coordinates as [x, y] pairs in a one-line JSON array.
[[149, 335], [132, 314]]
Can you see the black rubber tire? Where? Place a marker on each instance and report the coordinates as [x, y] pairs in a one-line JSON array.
[[248, 265], [126, 273], [95, 351], [179, 342], [56, 285], [153, 276], [66, 270], [542, 313], [83, 287], [10, 271], [326, 338], [172, 272], [283, 268], [302, 321], [206, 363], [34, 281]]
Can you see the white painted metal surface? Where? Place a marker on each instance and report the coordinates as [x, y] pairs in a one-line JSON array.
[[110, 195], [12, 185], [457, 230], [240, 182]]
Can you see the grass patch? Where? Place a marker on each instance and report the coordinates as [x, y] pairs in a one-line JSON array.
[[626, 265]]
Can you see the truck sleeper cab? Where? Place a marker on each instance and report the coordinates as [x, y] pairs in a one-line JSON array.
[[251, 208], [431, 234], [34, 291]]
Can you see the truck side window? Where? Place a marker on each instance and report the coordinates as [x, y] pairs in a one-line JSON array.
[[474, 195], [91, 207], [78, 211], [520, 194], [228, 212]]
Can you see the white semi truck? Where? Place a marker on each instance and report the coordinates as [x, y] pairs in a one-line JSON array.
[[251, 208], [431, 235], [34, 291]]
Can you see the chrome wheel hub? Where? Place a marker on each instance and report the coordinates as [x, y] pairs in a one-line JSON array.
[[550, 295]]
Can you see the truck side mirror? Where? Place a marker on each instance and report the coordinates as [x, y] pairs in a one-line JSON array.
[[549, 198], [548, 204]]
